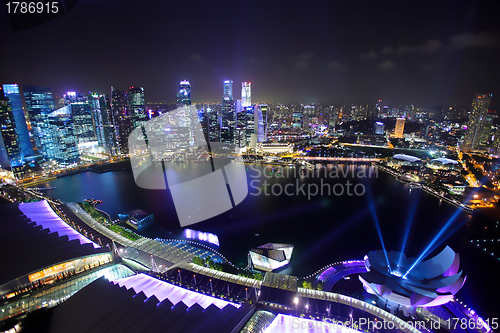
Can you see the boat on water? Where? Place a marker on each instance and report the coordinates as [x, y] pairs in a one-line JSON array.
[[415, 185], [41, 188]]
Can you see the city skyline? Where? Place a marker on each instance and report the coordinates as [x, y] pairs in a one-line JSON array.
[[339, 163], [61, 95], [408, 55]]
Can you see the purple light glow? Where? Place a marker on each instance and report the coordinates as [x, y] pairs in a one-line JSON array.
[[162, 290], [283, 323], [41, 213]]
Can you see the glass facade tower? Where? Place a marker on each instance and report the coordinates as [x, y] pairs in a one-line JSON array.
[[9, 148], [137, 107], [478, 122], [11, 91], [246, 94], [184, 94], [39, 103]]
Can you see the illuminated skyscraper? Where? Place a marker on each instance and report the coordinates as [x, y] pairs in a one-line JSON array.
[[103, 120], [261, 122], [9, 148], [246, 94], [187, 116], [39, 103], [228, 114], [11, 91], [478, 122], [400, 127], [122, 118], [297, 119], [240, 129], [228, 90], [62, 138], [250, 125], [137, 105], [81, 114], [184, 94], [379, 128]]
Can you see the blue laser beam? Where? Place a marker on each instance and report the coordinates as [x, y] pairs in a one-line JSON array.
[[411, 214], [371, 205]]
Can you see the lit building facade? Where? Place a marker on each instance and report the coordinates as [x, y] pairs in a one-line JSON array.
[[379, 128], [103, 120], [185, 116], [229, 132], [11, 91], [184, 94], [478, 122], [9, 149], [246, 94], [61, 137], [400, 127], [228, 90], [214, 123], [81, 113], [137, 105], [250, 124], [122, 118], [39, 103], [261, 121]]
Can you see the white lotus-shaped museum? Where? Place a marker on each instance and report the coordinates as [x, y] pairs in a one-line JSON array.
[[429, 283]]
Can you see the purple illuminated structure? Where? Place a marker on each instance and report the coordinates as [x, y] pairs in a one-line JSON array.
[[41, 213], [162, 290], [345, 265], [202, 236], [429, 283]]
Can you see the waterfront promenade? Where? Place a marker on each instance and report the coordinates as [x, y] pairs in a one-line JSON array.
[[429, 190]]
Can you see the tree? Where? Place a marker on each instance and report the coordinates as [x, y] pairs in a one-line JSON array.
[[198, 261]]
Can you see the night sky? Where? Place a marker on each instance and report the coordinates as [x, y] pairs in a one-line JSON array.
[[427, 53]]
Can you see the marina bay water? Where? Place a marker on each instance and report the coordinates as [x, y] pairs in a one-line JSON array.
[[324, 228]]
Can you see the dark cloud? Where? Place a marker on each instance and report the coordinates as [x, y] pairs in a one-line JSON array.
[[368, 55], [196, 58], [335, 65], [386, 65], [303, 60]]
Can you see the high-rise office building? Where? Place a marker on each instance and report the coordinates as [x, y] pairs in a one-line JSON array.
[[261, 122], [228, 90], [103, 120], [246, 94], [378, 128], [137, 105], [122, 118], [214, 124], [400, 127], [61, 134], [250, 125], [228, 114], [297, 119], [11, 91], [81, 113], [39, 103], [9, 149], [478, 122], [184, 94], [186, 115], [240, 129]]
